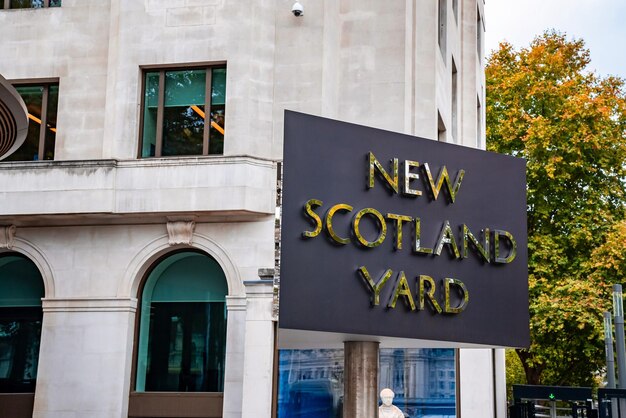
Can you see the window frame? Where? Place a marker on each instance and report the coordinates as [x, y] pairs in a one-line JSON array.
[[7, 5], [20, 403], [169, 404], [46, 83], [162, 69]]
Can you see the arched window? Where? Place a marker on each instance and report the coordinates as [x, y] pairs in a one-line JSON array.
[[182, 329], [21, 290]]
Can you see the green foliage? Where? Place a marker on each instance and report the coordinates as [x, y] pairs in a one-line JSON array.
[[570, 126], [514, 372]]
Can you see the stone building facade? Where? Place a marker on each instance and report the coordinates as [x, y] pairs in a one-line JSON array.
[[158, 153]]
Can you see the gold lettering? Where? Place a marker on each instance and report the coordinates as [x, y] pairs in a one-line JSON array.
[[375, 287], [402, 289], [447, 238], [447, 282], [483, 250], [429, 294], [417, 244], [308, 211], [382, 230], [399, 219], [496, 246], [408, 176], [435, 187], [375, 165], [329, 222]]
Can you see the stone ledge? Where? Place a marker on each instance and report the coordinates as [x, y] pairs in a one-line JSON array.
[[89, 305], [233, 185]]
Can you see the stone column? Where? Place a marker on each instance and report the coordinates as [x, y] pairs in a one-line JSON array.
[[85, 358], [360, 391], [235, 338], [258, 361]]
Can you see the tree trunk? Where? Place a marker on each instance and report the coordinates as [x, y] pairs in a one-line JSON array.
[[533, 373]]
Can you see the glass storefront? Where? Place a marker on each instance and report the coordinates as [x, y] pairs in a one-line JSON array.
[[182, 333], [21, 290], [311, 382]]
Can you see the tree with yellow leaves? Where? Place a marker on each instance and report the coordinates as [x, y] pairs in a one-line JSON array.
[[544, 105]]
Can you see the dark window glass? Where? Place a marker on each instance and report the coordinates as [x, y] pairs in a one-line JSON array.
[[178, 123], [51, 122], [183, 114], [42, 104], [33, 98], [27, 4], [31, 4], [218, 114], [21, 290], [151, 102], [186, 347], [182, 332], [20, 333]]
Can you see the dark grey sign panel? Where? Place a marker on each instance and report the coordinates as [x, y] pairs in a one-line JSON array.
[[389, 235]]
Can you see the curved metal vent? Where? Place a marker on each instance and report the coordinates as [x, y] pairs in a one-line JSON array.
[[13, 119]]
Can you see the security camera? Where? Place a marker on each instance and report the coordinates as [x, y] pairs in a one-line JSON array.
[[297, 9]]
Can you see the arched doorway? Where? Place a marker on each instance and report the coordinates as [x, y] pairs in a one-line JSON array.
[[21, 290], [181, 340]]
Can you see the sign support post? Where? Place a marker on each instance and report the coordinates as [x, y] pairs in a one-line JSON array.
[[618, 313], [360, 397]]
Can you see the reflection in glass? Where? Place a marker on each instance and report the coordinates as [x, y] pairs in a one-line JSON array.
[[26, 4], [175, 124], [33, 98], [21, 290], [310, 383], [51, 122], [218, 114], [186, 347], [55, 3], [182, 330], [183, 114], [20, 333], [423, 380], [151, 102]]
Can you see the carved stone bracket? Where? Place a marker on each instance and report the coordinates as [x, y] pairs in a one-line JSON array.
[[180, 232], [7, 236]]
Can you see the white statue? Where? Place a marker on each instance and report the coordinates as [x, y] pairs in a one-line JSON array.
[[388, 409]]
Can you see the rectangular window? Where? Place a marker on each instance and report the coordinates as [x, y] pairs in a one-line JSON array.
[[479, 35], [442, 22], [441, 129], [479, 124], [20, 331], [183, 112], [455, 10], [28, 4], [41, 99], [455, 102], [303, 392]]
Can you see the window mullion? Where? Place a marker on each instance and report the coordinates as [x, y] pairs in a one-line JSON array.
[[44, 123], [46, 3], [7, 4], [160, 109], [207, 112]]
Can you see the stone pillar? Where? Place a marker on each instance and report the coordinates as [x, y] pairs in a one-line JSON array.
[[235, 338], [258, 361], [360, 391], [85, 358]]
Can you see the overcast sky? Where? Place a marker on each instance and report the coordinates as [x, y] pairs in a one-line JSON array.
[[601, 23]]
